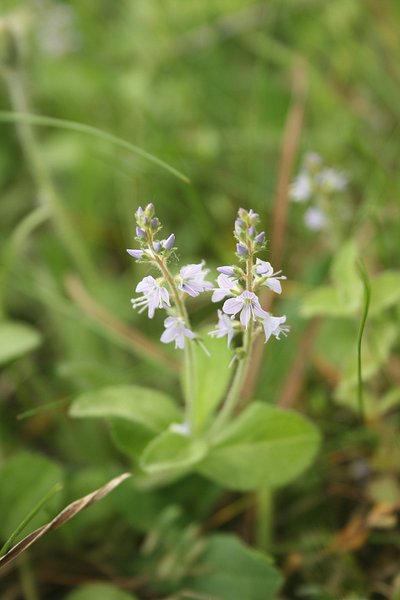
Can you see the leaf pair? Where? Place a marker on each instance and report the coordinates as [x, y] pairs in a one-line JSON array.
[[264, 446]]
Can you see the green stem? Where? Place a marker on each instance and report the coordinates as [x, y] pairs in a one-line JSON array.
[[264, 519], [367, 298], [28, 583], [189, 374], [47, 193], [20, 234], [233, 395]]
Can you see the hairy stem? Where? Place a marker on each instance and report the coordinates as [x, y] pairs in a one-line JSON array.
[[233, 395], [189, 374]]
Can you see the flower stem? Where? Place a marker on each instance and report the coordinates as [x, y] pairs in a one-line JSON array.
[[189, 375], [233, 395]]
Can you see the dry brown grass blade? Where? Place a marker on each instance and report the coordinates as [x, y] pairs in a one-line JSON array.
[[135, 339], [290, 142], [294, 381], [65, 515]]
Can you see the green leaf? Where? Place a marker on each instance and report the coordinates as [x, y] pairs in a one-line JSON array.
[[212, 377], [16, 339], [149, 408], [345, 276], [129, 437], [172, 451], [326, 301], [385, 291], [263, 447], [344, 297], [99, 591], [376, 349], [24, 480], [18, 117], [229, 570]]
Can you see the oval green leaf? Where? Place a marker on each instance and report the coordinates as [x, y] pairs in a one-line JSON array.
[[16, 339], [172, 451], [263, 447], [229, 570], [149, 408]]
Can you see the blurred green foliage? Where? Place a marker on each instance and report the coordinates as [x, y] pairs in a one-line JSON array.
[[205, 87]]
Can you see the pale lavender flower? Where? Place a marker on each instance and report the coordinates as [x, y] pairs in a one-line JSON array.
[[227, 287], [332, 180], [225, 326], [312, 161], [314, 219], [247, 304], [226, 270], [140, 233], [274, 326], [175, 331], [272, 280], [154, 295], [181, 429], [301, 188], [137, 254], [191, 279]]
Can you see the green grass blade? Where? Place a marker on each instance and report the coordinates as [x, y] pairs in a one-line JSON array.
[[8, 544], [17, 117], [367, 298]]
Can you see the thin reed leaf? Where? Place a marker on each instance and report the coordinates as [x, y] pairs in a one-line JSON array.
[[17, 117], [367, 298], [8, 544]]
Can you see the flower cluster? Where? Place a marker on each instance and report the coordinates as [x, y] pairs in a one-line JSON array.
[[238, 285], [317, 183], [166, 291]]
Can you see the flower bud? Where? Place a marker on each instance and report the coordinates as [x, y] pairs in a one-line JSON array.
[[260, 238], [154, 223], [252, 231], [242, 250], [226, 270], [157, 246], [169, 242], [149, 210], [239, 226], [137, 254], [140, 233], [253, 217]]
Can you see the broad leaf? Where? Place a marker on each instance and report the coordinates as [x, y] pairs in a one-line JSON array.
[[16, 339], [263, 447], [172, 451], [149, 408], [99, 591], [345, 276], [212, 377], [375, 352], [327, 300], [129, 437], [385, 291], [24, 480], [229, 570]]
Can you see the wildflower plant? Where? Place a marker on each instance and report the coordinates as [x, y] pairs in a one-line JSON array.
[[259, 446], [318, 187]]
